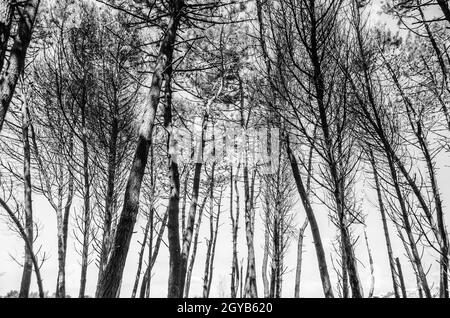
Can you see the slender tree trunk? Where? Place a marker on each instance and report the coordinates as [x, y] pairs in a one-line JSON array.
[[29, 246], [324, 275], [385, 227], [400, 275], [175, 285], [235, 277], [114, 269], [211, 233], [250, 277], [407, 227], [6, 13], [28, 209], [109, 201], [189, 230], [439, 230], [86, 204], [187, 235], [266, 253], [16, 62], [213, 250], [152, 255], [298, 271], [141, 253], [187, 285], [241, 280], [372, 276], [183, 205]]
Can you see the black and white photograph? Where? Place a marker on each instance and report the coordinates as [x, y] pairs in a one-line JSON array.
[[241, 150]]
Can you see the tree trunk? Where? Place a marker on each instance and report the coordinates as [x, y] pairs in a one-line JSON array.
[[250, 277], [6, 13], [235, 277], [187, 234], [29, 246], [141, 253], [213, 250], [109, 201], [114, 269], [187, 285], [407, 227], [400, 275], [86, 204], [16, 62], [385, 227], [443, 4], [28, 209], [372, 276], [298, 271], [152, 255], [266, 253], [175, 285], [324, 276]]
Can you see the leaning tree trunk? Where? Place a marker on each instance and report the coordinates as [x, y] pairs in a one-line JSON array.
[[6, 13], [385, 227], [114, 269], [372, 276], [187, 285], [16, 62], [189, 229], [28, 261], [28, 244], [141, 253], [109, 200], [298, 271], [323, 270], [443, 4], [400, 275], [152, 255], [187, 234], [408, 229], [213, 249]]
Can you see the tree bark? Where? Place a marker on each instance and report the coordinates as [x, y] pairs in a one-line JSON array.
[[385, 227], [298, 270], [407, 227], [109, 200], [114, 269], [266, 253], [29, 246], [141, 253], [152, 255], [6, 13], [324, 275], [187, 285], [372, 276], [235, 277], [86, 200], [28, 209], [175, 285], [400, 275], [16, 62]]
